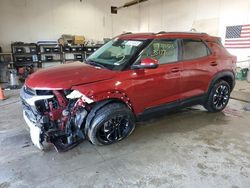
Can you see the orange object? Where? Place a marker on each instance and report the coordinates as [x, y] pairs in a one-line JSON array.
[[2, 97]]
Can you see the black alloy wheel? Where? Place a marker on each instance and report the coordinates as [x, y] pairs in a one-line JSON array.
[[221, 96], [114, 129], [112, 123], [218, 96]]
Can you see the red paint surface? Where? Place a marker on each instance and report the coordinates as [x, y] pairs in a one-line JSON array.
[[143, 88], [65, 76]]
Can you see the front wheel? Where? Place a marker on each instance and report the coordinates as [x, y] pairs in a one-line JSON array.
[[111, 124], [218, 97]]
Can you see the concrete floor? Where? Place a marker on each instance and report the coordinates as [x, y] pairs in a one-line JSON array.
[[188, 148], [241, 91]]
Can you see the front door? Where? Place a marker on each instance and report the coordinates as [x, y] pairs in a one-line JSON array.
[[154, 87]]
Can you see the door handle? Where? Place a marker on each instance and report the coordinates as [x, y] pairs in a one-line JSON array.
[[176, 69], [214, 63]]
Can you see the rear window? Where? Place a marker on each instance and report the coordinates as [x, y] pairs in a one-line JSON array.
[[193, 49]]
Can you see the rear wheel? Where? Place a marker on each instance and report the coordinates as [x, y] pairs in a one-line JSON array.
[[111, 124], [218, 97]]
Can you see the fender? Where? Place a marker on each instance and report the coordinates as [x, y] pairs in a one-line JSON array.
[[105, 90], [112, 94], [222, 74], [109, 95], [101, 96]]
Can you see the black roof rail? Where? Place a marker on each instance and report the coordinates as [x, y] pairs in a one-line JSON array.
[[178, 32], [126, 33], [161, 32]]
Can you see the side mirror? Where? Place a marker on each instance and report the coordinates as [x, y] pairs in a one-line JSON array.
[[147, 63]]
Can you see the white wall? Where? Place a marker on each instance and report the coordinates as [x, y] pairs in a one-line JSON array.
[[33, 20], [206, 16], [182, 15]]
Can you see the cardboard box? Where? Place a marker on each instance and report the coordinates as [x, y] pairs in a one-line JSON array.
[[66, 39], [79, 39]]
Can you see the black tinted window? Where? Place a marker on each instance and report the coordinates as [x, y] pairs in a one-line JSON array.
[[193, 49]]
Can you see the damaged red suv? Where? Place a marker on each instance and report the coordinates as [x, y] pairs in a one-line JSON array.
[[129, 77]]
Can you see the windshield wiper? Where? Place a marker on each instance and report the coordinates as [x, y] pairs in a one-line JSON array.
[[91, 62]]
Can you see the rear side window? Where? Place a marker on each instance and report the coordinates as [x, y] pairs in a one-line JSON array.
[[193, 49]]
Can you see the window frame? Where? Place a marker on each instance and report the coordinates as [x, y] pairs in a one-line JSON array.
[[179, 50], [209, 52], [137, 55]]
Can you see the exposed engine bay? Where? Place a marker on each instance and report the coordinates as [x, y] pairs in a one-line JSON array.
[[55, 116]]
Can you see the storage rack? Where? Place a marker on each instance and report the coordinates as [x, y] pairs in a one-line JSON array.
[[24, 54], [49, 53], [73, 53]]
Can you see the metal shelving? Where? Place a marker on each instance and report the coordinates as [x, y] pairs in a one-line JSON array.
[[24, 54], [73, 53], [49, 53]]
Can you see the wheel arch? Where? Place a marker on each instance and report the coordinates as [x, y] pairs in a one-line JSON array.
[[227, 76], [113, 95]]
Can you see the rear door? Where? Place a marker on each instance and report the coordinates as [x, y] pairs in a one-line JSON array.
[[199, 65]]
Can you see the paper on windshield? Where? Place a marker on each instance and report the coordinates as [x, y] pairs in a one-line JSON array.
[[133, 43]]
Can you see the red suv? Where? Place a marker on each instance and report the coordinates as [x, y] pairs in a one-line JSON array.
[[129, 77]]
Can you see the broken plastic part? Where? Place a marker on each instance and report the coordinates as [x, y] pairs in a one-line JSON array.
[[31, 101], [35, 132], [77, 94]]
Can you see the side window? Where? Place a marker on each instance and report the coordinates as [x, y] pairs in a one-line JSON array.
[[193, 49], [165, 51]]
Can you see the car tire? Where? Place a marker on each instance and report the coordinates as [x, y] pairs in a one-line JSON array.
[[112, 123], [218, 96]]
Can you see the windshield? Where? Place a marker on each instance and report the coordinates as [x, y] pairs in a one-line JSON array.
[[115, 54]]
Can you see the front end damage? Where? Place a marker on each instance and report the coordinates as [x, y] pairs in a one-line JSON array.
[[55, 116]]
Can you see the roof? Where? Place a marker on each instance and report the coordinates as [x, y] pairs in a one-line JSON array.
[[162, 34]]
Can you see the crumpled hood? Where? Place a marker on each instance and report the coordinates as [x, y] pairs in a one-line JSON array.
[[66, 76]]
